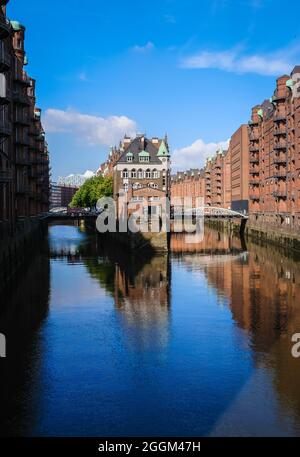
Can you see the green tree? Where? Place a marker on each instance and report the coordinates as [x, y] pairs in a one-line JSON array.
[[93, 189]]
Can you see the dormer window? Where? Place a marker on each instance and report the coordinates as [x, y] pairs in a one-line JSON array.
[[144, 156], [129, 157]]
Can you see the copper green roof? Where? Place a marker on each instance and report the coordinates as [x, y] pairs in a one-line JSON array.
[[16, 25], [129, 154], [289, 83], [163, 150], [25, 60], [260, 113], [144, 154]]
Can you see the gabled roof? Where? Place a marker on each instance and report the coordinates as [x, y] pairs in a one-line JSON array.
[[139, 147], [163, 150]]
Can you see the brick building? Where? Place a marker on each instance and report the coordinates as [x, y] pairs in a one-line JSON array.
[[223, 182], [239, 162], [24, 160], [274, 163], [190, 183], [142, 172], [107, 168]]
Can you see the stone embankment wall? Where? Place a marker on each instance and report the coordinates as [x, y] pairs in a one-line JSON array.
[[15, 249]]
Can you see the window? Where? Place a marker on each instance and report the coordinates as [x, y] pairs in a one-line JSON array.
[[140, 174], [129, 158], [125, 174], [164, 181], [126, 187], [144, 158], [2, 85], [155, 174], [148, 173], [133, 173]]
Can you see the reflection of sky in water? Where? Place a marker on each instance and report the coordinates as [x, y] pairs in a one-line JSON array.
[[201, 360], [66, 239]]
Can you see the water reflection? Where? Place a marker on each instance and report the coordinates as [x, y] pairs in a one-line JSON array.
[[260, 287], [197, 342], [24, 308]]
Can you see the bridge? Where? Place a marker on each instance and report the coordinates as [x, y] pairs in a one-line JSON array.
[[69, 214], [211, 212]]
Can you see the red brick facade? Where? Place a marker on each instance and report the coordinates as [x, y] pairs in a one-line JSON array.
[[24, 160], [274, 163]]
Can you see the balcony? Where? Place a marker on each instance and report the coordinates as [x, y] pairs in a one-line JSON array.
[[21, 188], [5, 28], [5, 129], [281, 174], [278, 98], [280, 194], [253, 123], [254, 149], [279, 118], [5, 176], [254, 197], [23, 161], [21, 98], [279, 160], [281, 145], [5, 97], [278, 132], [32, 194], [254, 160], [5, 60], [254, 137], [32, 174], [23, 78], [21, 118], [254, 182], [254, 171]]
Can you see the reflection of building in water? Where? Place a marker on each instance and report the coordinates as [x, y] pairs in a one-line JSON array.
[[212, 242], [262, 288], [24, 305], [142, 297]]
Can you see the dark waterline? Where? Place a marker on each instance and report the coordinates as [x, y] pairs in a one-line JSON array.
[[100, 343]]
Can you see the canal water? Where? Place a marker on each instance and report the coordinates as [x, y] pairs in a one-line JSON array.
[[101, 343]]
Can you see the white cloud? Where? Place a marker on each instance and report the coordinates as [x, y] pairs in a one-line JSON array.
[[142, 49], [273, 64], [194, 156], [95, 130]]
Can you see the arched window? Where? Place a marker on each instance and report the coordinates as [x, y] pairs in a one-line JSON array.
[[125, 173], [148, 173], [140, 174], [126, 187], [155, 174], [133, 173]]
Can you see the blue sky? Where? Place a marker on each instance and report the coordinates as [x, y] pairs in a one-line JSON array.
[[190, 68]]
